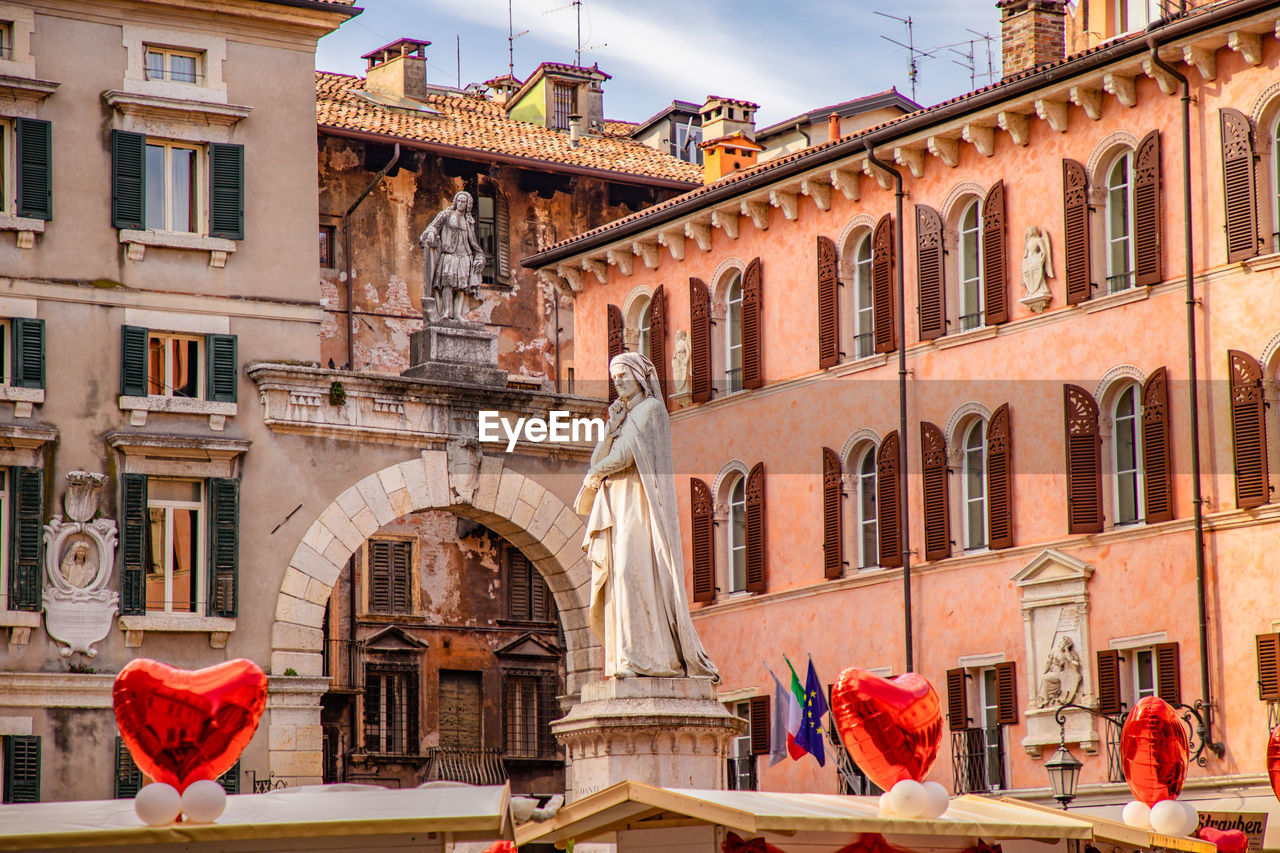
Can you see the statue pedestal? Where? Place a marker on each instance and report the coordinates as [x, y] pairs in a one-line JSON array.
[[662, 731], [456, 352], [1043, 731]]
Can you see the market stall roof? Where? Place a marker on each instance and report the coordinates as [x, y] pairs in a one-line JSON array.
[[1116, 832], [317, 817]]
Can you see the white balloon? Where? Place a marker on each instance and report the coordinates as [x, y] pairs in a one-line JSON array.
[[908, 798], [1193, 818], [937, 800], [204, 801], [1136, 814], [1167, 817], [885, 808], [158, 804]]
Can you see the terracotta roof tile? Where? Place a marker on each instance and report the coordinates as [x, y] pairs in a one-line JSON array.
[[477, 123]]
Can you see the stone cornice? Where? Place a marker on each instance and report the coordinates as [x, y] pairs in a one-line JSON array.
[[175, 109], [56, 689]]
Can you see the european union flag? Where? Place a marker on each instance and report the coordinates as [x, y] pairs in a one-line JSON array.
[[815, 708]]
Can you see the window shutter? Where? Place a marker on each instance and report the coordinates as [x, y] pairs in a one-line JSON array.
[[1000, 480], [615, 344], [1147, 212], [26, 532], [828, 304], [133, 543], [1075, 210], [832, 538], [226, 191], [502, 237], [133, 361], [882, 261], [1238, 185], [1268, 666], [519, 594], [758, 711], [1248, 431], [752, 365], [380, 576], [700, 339], [704, 567], [756, 557], [224, 545], [220, 384], [1168, 675], [1109, 682], [1157, 458], [34, 157], [22, 769], [937, 532], [658, 337], [230, 781], [888, 491], [401, 575], [957, 701], [539, 597], [128, 776], [995, 279], [1006, 694], [929, 274], [28, 352], [1084, 461], [412, 741], [372, 711], [128, 179]]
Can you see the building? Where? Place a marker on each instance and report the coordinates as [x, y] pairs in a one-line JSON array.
[[810, 128], [1037, 475], [676, 129]]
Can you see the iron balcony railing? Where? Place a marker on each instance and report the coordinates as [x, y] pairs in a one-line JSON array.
[[1115, 764], [978, 759], [742, 773], [472, 765]]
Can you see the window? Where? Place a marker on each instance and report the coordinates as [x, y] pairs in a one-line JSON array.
[[6, 40], [173, 365], [733, 335], [21, 532], [21, 769], [1127, 444], [328, 258], [157, 184], [992, 731], [175, 518], [643, 329], [970, 244], [1135, 14], [1129, 674], [742, 761], [1275, 183], [460, 709], [391, 709], [1142, 675], [1120, 260], [128, 775], [172, 181], [390, 576], [26, 168], [6, 171], [528, 597], [975, 486], [529, 698], [688, 138], [863, 313], [564, 102], [178, 66], [868, 542], [737, 539], [981, 702]]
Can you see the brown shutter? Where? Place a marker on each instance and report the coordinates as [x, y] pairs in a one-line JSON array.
[[380, 594], [828, 304], [1248, 431], [1269, 666], [1006, 694], [1075, 210], [704, 567], [888, 491], [995, 278], [1168, 676], [756, 557], [658, 337], [752, 368], [832, 540], [937, 532], [1109, 682], [1157, 459], [1084, 461], [929, 275], [1148, 247], [882, 296], [700, 339], [1238, 185], [758, 711], [615, 344], [1000, 480], [957, 701]]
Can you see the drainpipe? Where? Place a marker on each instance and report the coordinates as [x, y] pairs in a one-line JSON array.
[[1206, 697], [346, 254], [903, 514]]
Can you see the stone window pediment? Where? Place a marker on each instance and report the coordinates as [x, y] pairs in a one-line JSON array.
[[530, 648], [178, 455], [394, 640]]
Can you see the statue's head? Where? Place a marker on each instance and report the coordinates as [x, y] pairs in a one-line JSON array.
[[462, 201], [631, 368]]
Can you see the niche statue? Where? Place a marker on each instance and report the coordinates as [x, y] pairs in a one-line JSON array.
[[453, 261]]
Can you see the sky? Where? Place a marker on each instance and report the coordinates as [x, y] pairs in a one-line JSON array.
[[789, 56]]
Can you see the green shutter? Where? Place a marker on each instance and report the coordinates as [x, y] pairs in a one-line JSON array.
[[230, 781], [22, 769], [28, 352], [133, 361], [221, 383], [224, 545], [128, 180], [226, 191], [128, 776], [26, 538], [35, 167], [133, 544]]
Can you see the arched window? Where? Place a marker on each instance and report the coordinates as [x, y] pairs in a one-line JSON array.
[[1127, 447], [868, 542], [733, 334], [974, 461], [642, 330], [863, 343], [970, 242], [1119, 188], [1275, 183], [737, 538]]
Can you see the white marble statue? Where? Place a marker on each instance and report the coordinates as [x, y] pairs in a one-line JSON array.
[[1060, 681], [1037, 268], [680, 364], [453, 260], [638, 606], [79, 605]]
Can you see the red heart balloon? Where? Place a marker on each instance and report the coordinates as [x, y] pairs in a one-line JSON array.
[[183, 726], [1273, 760], [1227, 841], [891, 727], [1153, 751]]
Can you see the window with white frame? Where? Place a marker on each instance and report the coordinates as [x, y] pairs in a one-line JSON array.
[[173, 184], [175, 520], [970, 267], [6, 40], [1133, 15], [737, 535], [173, 64], [868, 536], [1141, 671], [992, 734], [1275, 183], [733, 334], [4, 537], [742, 762], [863, 309], [1119, 224], [642, 328], [6, 167], [1127, 454], [974, 485], [173, 365], [688, 136]]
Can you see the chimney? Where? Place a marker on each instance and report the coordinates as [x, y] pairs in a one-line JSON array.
[[833, 126], [398, 70], [727, 116], [728, 154], [1032, 33]]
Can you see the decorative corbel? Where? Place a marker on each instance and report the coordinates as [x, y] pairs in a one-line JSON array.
[[759, 213], [1204, 60], [573, 275], [1053, 112], [648, 252], [1123, 87], [847, 183], [701, 232], [818, 191], [980, 136], [726, 221], [1087, 99], [789, 202], [912, 158], [674, 241], [1163, 79], [945, 149], [556, 282], [599, 267], [621, 259], [883, 178], [1016, 125], [1248, 45]]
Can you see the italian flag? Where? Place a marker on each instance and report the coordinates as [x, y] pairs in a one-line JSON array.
[[795, 715]]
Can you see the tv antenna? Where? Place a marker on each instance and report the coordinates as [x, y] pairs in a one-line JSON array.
[[913, 70], [991, 65], [577, 7], [512, 35], [967, 57]]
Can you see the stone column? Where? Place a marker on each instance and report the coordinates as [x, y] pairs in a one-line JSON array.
[[294, 735]]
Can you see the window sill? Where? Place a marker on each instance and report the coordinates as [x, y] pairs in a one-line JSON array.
[[857, 365], [19, 619], [140, 406], [194, 110], [136, 243], [1262, 263], [25, 229], [24, 399], [18, 82], [217, 627], [981, 333], [1111, 300]]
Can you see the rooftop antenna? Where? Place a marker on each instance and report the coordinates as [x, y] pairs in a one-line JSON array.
[[912, 68], [512, 35], [991, 65], [577, 7], [457, 44], [968, 60]]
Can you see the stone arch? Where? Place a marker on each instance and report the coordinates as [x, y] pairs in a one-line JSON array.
[[1105, 151], [720, 277], [961, 191], [960, 420], [858, 223], [730, 470], [1121, 374], [637, 300], [1268, 358], [859, 437]]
